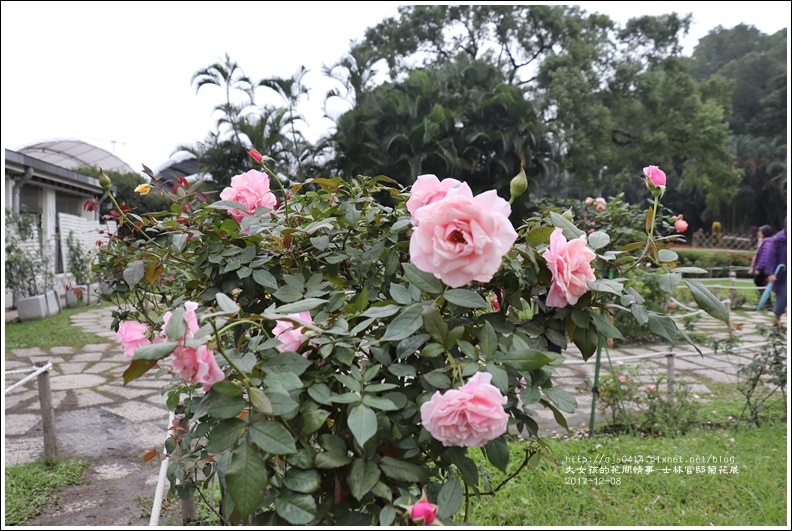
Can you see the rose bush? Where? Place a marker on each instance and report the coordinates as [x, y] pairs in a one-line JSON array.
[[340, 359]]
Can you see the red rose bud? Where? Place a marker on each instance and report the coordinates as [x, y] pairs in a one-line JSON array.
[[255, 155]]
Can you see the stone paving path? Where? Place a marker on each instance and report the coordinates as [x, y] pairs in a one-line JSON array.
[[100, 419]]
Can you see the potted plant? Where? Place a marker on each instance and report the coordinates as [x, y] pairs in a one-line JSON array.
[[26, 273], [79, 265]]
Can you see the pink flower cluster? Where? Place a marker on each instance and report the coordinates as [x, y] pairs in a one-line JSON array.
[[196, 365], [251, 189], [290, 335], [570, 265], [601, 203], [471, 415], [458, 237]]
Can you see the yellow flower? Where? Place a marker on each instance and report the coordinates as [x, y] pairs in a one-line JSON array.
[[143, 189]]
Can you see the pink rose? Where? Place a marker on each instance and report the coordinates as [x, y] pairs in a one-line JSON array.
[[570, 265], [681, 225], [251, 189], [429, 189], [601, 204], [132, 335], [589, 200], [423, 512], [472, 415], [189, 317], [255, 155], [622, 378], [462, 238], [290, 335], [197, 365], [650, 388], [655, 178]]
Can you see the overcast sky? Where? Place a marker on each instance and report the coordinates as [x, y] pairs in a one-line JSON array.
[[117, 74]]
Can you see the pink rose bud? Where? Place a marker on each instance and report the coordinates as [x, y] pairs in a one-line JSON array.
[[255, 155], [655, 180], [681, 225], [423, 512]]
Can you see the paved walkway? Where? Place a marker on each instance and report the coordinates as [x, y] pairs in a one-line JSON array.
[[97, 417]]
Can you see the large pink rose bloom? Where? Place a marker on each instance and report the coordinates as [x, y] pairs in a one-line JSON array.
[[429, 189], [197, 365], [132, 335], [251, 189], [472, 415], [462, 238], [570, 264], [290, 335]]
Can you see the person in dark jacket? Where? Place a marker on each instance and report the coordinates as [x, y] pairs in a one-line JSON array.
[[760, 275], [777, 255]]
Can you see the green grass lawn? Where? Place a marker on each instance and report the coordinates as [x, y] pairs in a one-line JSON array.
[[55, 331], [29, 487]]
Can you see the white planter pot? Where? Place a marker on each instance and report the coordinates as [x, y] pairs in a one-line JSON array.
[[53, 303], [31, 308]]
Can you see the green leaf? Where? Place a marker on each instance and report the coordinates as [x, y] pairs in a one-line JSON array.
[[586, 339], [155, 351], [526, 359], [598, 240], [282, 404], [562, 399], [402, 471], [706, 300], [465, 298], [437, 379], [288, 293], [312, 421], [450, 497], [177, 326], [434, 324], [226, 387], [488, 340], [669, 281], [178, 242], [409, 345], [287, 362], [500, 378], [246, 479], [305, 481], [134, 272], [378, 402], [401, 370], [559, 417], [222, 406], [570, 230], [225, 434], [262, 277], [498, 453], [137, 368], [606, 285], [320, 243], [466, 466], [663, 326], [690, 270], [405, 324], [362, 477], [604, 327], [422, 280], [260, 400], [362, 422], [400, 294], [226, 204], [320, 392], [301, 305], [297, 509], [334, 458], [387, 516], [382, 311], [538, 236], [349, 382], [272, 437], [226, 303], [667, 255]]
